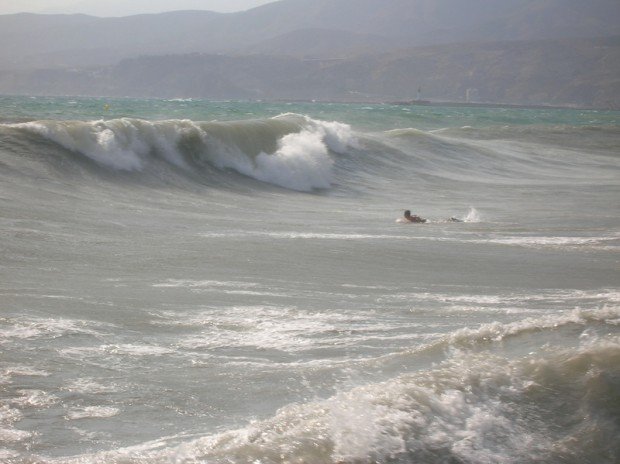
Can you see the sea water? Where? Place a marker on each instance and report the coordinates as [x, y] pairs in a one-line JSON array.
[[190, 281]]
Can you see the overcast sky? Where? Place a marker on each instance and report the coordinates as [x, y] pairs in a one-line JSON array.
[[123, 7]]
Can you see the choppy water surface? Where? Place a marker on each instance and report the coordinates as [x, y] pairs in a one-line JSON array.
[[193, 281]]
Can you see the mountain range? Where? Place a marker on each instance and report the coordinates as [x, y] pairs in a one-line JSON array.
[[322, 36]]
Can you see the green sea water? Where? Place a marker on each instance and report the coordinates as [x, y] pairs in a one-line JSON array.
[[364, 116]]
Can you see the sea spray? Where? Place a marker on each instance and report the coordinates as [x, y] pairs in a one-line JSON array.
[[472, 216]]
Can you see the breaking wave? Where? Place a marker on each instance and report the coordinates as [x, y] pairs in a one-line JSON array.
[[291, 151], [557, 404]]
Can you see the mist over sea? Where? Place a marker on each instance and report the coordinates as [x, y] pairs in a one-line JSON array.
[[186, 281]]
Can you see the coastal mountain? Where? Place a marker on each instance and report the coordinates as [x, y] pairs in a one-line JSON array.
[[347, 27], [507, 50], [578, 72]]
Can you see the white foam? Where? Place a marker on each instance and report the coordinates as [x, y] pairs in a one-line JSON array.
[[112, 143], [8, 433], [496, 331], [123, 144], [25, 371], [9, 414], [5, 454], [90, 412], [570, 297], [188, 283], [126, 349], [265, 327], [338, 136], [13, 435], [559, 243], [137, 350], [214, 286], [468, 408], [88, 385], [34, 327], [296, 235], [472, 216], [302, 162], [275, 327], [34, 399]]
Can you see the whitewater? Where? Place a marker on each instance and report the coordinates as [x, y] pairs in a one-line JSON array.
[[188, 281]]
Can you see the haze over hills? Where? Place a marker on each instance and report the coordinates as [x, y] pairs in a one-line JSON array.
[[353, 31]]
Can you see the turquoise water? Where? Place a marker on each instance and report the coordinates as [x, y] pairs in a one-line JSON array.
[[364, 116], [194, 281]]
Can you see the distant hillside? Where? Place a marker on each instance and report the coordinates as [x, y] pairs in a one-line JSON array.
[[43, 41], [339, 28], [581, 72], [324, 43]]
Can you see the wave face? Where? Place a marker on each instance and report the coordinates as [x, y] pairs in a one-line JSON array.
[[291, 151]]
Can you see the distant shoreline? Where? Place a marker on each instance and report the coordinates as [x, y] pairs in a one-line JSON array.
[[492, 105], [453, 104]]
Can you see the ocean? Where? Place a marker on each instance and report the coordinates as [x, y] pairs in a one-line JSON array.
[[188, 281]]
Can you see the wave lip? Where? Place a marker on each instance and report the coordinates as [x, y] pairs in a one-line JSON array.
[[114, 144], [301, 162]]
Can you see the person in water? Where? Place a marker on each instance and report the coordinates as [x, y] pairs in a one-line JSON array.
[[413, 218]]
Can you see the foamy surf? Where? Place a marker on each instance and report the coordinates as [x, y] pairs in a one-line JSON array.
[[472, 408], [91, 412]]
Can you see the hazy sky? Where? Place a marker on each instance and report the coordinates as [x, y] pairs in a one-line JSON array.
[[123, 7]]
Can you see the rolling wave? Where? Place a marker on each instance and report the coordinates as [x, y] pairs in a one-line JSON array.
[[300, 153]]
